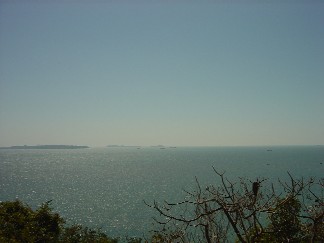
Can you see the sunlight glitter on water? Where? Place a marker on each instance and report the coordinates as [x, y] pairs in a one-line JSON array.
[[106, 187]]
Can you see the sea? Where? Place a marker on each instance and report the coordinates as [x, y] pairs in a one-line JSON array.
[[106, 187]]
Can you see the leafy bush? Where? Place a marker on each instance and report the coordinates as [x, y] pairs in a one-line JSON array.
[[19, 223]]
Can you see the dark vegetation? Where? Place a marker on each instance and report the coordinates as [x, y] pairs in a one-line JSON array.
[[242, 211], [19, 223]]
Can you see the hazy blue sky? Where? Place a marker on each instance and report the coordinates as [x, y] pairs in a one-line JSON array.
[[161, 72]]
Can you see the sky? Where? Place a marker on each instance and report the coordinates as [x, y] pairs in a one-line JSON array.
[[178, 73]]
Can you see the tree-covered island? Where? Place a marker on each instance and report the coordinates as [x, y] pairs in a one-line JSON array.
[[46, 147]]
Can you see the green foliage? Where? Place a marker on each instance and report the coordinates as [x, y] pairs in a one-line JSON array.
[[285, 224], [19, 223], [133, 240], [79, 234], [167, 237], [158, 238]]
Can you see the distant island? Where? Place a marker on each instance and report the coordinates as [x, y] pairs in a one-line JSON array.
[[122, 146], [46, 147]]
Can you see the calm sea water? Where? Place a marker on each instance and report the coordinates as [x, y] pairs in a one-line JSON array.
[[105, 187]]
